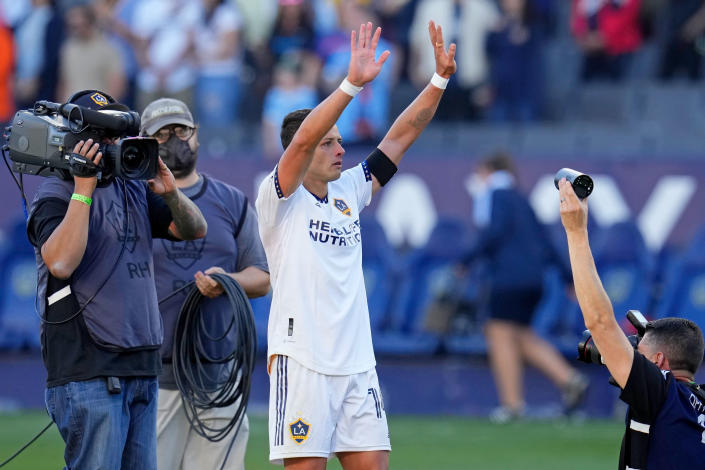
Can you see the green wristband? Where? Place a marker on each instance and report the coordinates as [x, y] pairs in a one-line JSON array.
[[80, 197]]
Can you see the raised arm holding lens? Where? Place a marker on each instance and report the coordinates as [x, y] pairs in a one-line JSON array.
[[654, 370]]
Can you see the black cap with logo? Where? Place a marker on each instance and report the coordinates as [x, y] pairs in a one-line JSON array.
[[96, 100]]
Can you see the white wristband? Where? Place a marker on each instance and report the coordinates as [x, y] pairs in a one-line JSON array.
[[439, 82], [349, 88]]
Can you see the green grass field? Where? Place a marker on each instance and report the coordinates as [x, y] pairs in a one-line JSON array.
[[427, 443]]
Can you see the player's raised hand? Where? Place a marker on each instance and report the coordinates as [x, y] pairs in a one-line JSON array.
[[445, 60], [363, 67]]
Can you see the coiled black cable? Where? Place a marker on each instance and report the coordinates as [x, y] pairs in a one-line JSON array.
[[208, 380]]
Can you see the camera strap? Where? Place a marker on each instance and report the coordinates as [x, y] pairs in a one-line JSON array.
[[636, 438], [82, 166], [636, 443]]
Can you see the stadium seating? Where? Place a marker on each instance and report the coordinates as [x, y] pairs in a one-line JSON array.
[[603, 103], [19, 321], [260, 309], [625, 266], [465, 336], [556, 318], [427, 272], [381, 268], [683, 293]]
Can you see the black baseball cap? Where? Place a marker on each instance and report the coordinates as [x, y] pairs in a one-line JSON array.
[[96, 100]]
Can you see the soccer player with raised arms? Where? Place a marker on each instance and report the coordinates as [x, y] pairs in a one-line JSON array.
[[324, 394]]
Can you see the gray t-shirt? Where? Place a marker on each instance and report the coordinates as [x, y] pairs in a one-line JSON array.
[[121, 310], [71, 351], [232, 243]]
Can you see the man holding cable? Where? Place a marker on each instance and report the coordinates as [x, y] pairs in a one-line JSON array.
[[232, 247], [666, 416], [324, 394], [101, 329]]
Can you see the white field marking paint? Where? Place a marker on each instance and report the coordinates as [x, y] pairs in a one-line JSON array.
[[663, 209], [656, 221], [407, 212], [607, 205]]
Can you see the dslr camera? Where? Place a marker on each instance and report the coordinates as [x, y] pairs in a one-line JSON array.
[[587, 351], [41, 141]]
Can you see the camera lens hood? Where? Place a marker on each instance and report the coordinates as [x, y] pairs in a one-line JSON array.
[[582, 183]]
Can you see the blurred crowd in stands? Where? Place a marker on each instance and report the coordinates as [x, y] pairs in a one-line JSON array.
[[252, 61]]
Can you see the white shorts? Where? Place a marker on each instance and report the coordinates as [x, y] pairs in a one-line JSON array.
[[317, 415]]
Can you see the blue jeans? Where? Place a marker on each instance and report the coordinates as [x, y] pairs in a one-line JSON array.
[[104, 430]]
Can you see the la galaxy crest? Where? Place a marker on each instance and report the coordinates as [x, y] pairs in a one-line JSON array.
[[342, 206], [116, 217], [99, 99], [299, 430], [184, 253]]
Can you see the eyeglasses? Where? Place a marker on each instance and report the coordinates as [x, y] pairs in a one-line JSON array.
[[182, 132]]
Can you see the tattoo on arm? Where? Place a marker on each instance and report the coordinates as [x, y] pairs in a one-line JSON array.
[[422, 118], [186, 216]]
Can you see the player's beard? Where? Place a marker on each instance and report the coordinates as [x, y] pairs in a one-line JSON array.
[[178, 156]]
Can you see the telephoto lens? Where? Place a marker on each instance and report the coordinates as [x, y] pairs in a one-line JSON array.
[[582, 183]]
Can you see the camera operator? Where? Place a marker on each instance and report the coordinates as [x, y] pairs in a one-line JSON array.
[[101, 331], [666, 415], [232, 247]]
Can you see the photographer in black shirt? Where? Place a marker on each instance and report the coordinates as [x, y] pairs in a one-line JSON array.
[[666, 416]]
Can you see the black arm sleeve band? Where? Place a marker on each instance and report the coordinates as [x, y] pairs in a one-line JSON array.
[[381, 166]]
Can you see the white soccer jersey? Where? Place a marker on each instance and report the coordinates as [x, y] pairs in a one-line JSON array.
[[319, 310]]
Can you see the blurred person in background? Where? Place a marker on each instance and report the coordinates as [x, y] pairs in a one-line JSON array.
[[396, 17], [219, 56], [7, 63], [365, 118], [685, 28], [325, 16], [518, 252], [88, 59], [164, 33], [30, 52], [232, 246], [14, 11], [294, 32], [288, 92], [258, 21], [257, 67], [467, 23], [53, 41], [293, 28], [608, 32], [516, 76], [114, 18]]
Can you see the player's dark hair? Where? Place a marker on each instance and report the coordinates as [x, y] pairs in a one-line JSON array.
[[680, 339], [291, 124]]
